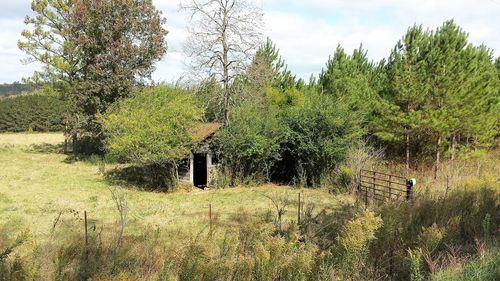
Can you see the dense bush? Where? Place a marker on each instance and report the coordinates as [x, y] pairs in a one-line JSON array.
[[32, 112], [250, 145], [152, 128], [298, 144]]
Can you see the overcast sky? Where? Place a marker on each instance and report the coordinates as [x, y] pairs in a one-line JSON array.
[[305, 31]]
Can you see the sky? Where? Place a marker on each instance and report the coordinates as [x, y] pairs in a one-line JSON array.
[[305, 31]]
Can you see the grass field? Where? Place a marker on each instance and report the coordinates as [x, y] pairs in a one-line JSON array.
[[41, 189]]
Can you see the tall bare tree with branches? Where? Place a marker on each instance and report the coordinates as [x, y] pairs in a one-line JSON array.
[[224, 34]]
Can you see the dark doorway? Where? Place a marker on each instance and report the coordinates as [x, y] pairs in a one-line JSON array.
[[200, 170]]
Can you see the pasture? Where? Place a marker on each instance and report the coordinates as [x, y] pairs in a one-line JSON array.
[[41, 190]]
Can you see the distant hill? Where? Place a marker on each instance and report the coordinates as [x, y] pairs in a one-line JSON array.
[[10, 89]]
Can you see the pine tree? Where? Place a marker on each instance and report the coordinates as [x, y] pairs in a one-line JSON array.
[[406, 88], [348, 78]]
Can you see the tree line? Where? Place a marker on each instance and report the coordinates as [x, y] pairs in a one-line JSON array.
[[15, 88], [33, 112], [436, 94]]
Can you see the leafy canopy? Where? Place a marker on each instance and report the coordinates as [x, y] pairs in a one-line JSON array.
[[153, 126]]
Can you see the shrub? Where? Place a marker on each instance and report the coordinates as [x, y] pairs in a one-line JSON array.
[[351, 251], [250, 144], [153, 127], [318, 135], [343, 180]]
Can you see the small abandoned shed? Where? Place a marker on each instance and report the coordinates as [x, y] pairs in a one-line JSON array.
[[199, 169]]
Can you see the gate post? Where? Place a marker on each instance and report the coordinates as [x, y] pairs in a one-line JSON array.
[[409, 188]]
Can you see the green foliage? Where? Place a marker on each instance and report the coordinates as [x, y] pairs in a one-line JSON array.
[[94, 53], [153, 128], [351, 251], [487, 228], [34, 112], [441, 92], [318, 135], [297, 136], [430, 237], [416, 259], [404, 96], [250, 145], [348, 78], [285, 99], [207, 96], [343, 179]]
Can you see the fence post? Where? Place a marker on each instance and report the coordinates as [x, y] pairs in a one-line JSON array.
[[373, 181], [85, 222], [409, 189], [298, 211], [447, 185], [210, 218], [390, 189]]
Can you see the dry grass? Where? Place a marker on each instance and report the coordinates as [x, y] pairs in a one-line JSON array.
[[477, 168], [40, 189], [26, 139]]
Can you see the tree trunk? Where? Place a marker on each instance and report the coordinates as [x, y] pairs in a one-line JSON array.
[[74, 144], [176, 171], [225, 64], [438, 157], [226, 105], [407, 147]]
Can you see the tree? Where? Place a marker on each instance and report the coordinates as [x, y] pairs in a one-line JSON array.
[[266, 77], [406, 88], [479, 121], [441, 91], [153, 127], [94, 52], [348, 78], [52, 42], [223, 36]]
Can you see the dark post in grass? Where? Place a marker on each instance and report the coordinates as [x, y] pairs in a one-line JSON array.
[[409, 189], [85, 222], [298, 211], [447, 185], [210, 218]]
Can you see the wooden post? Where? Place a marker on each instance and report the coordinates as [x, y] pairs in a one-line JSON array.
[[298, 211], [210, 218], [447, 185], [373, 183], [85, 222], [390, 190], [366, 197], [409, 190]]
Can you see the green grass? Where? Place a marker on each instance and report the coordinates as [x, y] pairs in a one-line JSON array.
[[39, 188]]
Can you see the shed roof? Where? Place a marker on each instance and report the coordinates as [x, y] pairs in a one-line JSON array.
[[205, 130]]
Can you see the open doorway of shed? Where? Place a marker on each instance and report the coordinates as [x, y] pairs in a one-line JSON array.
[[200, 176]]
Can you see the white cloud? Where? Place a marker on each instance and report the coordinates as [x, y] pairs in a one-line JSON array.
[[306, 31]]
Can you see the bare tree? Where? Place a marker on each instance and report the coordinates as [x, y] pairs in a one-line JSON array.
[[224, 34]]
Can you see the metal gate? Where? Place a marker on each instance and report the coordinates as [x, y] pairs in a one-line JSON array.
[[382, 186]]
